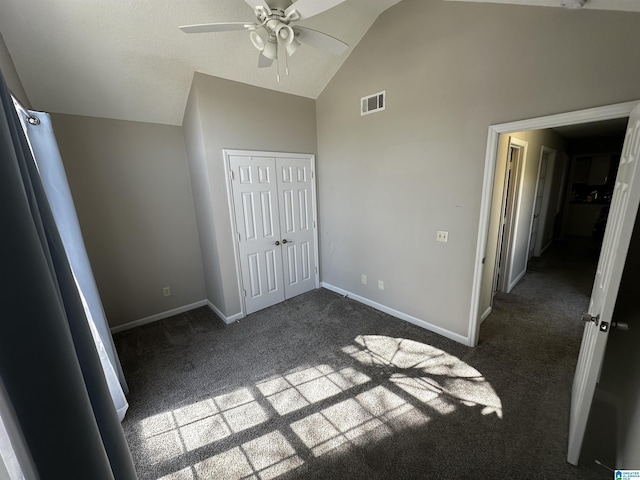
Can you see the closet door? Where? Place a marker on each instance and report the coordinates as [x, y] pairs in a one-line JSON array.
[[273, 205], [255, 204], [297, 225]]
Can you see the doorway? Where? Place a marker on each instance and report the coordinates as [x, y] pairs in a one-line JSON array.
[[482, 289], [515, 164], [623, 186], [541, 228], [272, 202]]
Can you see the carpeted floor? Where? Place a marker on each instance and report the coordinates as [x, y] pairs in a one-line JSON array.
[[322, 387]]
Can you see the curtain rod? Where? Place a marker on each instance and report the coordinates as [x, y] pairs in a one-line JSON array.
[[32, 119]]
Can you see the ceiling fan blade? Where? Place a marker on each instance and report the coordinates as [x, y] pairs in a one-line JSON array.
[[320, 40], [259, 3], [264, 62], [309, 8], [216, 27]]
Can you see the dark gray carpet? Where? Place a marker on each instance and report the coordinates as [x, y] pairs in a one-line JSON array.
[[322, 387]]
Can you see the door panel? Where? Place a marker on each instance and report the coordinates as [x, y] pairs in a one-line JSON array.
[[255, 197], [622, 216], [296, 220]]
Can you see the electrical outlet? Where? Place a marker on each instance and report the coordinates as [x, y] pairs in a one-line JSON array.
[[442, 236], [380, 285], [166, 291], [363, 279]]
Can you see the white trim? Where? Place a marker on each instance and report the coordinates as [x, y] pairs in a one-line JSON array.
[[609, 112], [223, 317], [395, 313], [486, 313], [157, 316], [516, 280], [234, 231]]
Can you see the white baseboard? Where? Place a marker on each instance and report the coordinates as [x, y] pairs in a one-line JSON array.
[[516, 280], [395, 313], [157, 316], [486, 313], [224, 318]]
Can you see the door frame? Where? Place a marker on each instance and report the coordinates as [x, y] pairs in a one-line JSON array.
[[512, 200], [226, 153], [609, 112]]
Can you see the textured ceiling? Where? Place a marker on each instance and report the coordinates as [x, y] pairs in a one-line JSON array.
[[128, 59]]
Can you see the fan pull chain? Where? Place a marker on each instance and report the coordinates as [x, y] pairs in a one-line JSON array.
[[278, 49], [286, 63]]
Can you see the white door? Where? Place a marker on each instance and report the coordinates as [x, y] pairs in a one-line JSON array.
[[622, 216], [511, 263], [274, 217], [255, 203], [297, 224], [537, 206]]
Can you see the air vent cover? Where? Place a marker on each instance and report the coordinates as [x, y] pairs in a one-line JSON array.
[[373, 103]]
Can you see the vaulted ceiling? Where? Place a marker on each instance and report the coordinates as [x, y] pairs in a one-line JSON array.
[[128, 59]]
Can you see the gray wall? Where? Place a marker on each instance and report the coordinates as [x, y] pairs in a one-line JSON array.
[[535, 139], [222, 114], [388, 181], [130, 184], [11, 75]]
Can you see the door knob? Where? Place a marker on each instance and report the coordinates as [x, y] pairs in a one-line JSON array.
[[277, 243], [586, 317], [620, 326], [284, 240]]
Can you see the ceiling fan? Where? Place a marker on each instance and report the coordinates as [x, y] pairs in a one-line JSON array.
[[274, 30]]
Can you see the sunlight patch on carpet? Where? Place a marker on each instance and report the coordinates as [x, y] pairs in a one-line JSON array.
[[429, 374], [316, 410]]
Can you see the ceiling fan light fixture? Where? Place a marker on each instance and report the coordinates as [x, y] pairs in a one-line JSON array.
[[259, 38], [292, 47], [270, 50], [285, 34]]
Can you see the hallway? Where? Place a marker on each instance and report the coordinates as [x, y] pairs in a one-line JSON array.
[[537, 328]]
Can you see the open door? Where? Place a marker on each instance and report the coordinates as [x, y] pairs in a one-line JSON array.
[[622, 216]]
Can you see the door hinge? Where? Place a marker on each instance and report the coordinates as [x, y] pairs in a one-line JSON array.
[[238, 237], [313, 223], [316, 269], [245, 292], [231, 176], [312, 174]]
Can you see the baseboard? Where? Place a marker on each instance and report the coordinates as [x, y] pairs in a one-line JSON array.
[[395, 313], [517, 279], [486, 313], [157, 316], [223, 317]]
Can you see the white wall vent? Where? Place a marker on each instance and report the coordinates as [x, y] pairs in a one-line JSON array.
[[373, 103]]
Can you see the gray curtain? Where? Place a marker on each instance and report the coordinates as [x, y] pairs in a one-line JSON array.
[[49, 366]]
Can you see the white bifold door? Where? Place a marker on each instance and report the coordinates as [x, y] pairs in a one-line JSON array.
[[273, 205]]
